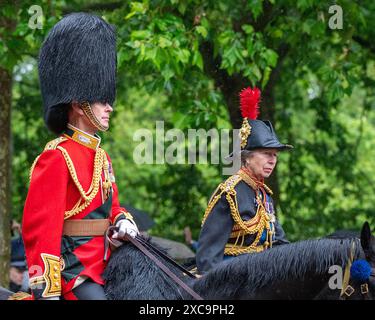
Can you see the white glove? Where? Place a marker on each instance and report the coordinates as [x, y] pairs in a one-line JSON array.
[[51, 298], [125, 227]]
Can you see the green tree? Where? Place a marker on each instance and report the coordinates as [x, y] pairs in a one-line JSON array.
[[201, 54], [17, 41], [185, 62]]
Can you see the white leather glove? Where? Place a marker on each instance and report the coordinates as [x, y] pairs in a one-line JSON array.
[[51, 298], [125, 227]]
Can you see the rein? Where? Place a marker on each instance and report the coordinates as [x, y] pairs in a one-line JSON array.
[[141, 244], [164, 256]]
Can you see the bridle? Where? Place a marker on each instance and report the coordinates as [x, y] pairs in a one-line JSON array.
[[347, 289], [152, 252]]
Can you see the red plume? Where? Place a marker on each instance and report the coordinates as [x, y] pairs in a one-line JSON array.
[[249, 99]]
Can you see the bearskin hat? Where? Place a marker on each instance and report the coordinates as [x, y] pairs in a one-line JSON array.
[[77, 62]]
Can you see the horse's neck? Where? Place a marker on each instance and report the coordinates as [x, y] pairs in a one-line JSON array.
[[304, 279]]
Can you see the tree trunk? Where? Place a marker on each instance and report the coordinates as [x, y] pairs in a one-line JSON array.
[[5, 174], [230, 86]]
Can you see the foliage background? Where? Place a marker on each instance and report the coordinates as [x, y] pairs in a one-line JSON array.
[[184, 62]]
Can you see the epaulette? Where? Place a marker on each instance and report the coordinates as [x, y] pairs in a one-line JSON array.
[[227, 186], [51, 145], [231, 182]]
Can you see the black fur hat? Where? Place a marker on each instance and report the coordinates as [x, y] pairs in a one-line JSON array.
[[77, 62]]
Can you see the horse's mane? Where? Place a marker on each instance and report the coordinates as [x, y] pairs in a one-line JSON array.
[[292, 261], [132, 275]]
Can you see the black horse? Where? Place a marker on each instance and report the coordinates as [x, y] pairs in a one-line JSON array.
[[295, 271], [298, 270]]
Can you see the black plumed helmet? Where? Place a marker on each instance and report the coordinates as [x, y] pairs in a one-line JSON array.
[[256, 134], [263, 136], [77, 62]]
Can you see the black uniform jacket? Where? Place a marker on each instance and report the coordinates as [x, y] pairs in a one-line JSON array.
[[216, 230]]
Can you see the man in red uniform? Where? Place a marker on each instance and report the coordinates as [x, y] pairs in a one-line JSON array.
[[73, 197]]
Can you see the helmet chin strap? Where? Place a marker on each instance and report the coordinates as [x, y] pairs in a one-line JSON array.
[[91, 116]]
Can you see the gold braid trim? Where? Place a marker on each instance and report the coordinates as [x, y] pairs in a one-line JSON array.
[[231, 182], [245, 131], [241, 228], [245, 177], [100, 163], [32, 167], [20, 296], [51, 145], [250, 227]]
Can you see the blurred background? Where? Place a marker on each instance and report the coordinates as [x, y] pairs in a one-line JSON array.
[[184, 62]]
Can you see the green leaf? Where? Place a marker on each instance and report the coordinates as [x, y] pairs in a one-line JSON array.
[[277, 33], [129, 15], [202, 31], [151, 53], [123, 56], [271, 57], [305, 4], [266, 76], [183, 55], [164, 42], [167, 73], [253, 73], [182, 7], [140, 34], [256, 7], [197, 60], [136, 8], [248, 28]]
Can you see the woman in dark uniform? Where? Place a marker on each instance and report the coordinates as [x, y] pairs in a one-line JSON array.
[[240, 216]]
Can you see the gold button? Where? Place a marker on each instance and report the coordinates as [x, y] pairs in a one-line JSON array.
[[57, 284], [56, 276], [55, 268]]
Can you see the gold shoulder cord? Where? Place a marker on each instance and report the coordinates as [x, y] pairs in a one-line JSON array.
[[51, 145], [100, 163], [231, 182], [255, 225]]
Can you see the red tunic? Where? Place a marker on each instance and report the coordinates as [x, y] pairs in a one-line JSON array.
[[55, 261]]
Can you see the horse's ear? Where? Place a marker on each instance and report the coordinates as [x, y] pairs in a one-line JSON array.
[[366, 236]]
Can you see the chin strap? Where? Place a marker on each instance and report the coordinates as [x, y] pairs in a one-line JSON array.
[[91, 116]]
